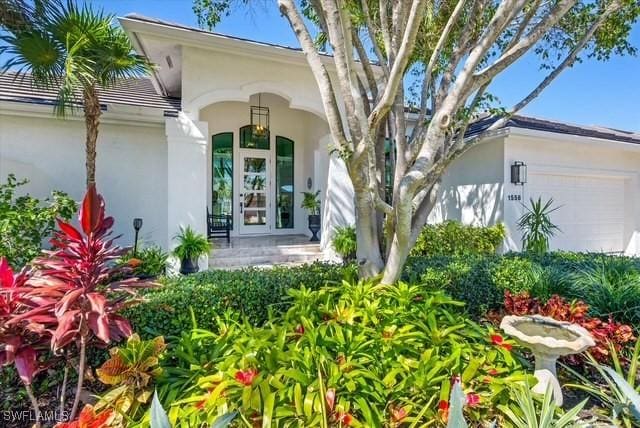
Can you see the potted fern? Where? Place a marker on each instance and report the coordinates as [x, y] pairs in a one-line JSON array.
[[311, 203], [191, 246]]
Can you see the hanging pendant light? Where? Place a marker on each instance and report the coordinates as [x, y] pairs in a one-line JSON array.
[[259, 121]]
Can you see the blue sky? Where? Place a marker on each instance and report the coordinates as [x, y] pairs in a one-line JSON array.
[[590, 93]]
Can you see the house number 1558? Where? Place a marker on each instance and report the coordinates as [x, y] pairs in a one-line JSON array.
[[514, 197]]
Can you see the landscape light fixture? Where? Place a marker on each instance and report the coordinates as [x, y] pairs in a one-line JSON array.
[[137, 225]]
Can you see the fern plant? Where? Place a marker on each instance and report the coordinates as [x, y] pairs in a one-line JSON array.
[[536, 226]]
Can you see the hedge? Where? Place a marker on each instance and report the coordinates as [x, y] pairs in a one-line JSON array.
[[252, 292], [452, 238]]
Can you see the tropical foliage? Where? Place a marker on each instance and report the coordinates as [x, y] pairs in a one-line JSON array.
[[72, 301], [71, 49], [149, 262], [130, 371], [617, 388], [452, 238], [344, 242], [25, 222], [170, 308], [359, 354], [311, 202], [536, 225], [608, 335]]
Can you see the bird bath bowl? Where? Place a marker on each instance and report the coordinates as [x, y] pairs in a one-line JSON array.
[[548, 339]]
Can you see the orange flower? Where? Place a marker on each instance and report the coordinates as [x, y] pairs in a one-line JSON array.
[[89, 419], [134, 263], [443, 410], [344, 418], [246, 377], [498, 340], [398, 414]]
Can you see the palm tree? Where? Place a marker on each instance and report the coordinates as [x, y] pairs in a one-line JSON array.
[[72, 49]]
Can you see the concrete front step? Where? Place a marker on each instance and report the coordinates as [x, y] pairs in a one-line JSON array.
[[259, 251], [234, 262]]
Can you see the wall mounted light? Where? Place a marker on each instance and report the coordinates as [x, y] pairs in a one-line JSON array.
[[519, 173], [309, 183], [137, 225]]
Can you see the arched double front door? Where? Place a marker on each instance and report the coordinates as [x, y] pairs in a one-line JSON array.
[[253, 181]]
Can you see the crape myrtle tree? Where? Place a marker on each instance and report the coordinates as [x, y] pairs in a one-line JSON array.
[[72, 49], [457, 48]]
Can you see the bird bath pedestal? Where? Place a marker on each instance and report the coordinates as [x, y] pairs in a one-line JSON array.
[[548, 339]]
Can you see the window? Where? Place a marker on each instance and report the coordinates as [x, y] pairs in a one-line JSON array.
[[253, 140], [222, 174], [284, 183]]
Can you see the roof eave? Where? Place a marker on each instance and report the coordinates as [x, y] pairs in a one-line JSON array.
[[217, 42]]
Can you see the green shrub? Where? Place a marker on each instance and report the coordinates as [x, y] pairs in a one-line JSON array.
[[516, 274], [452, 238], [360, 352], [344, 242], [611, 287], [26, 221], [467, 279], [252, 292], [147, 263]]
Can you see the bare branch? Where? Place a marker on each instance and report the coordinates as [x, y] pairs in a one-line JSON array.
[[399, 66], [566, 63], [373, 37], [327, 93], [523, 45], [366, 67]]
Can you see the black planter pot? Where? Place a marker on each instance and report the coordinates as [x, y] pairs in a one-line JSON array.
[[314, 226], [188, 266]]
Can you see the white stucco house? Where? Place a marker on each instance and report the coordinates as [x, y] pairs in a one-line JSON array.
[[178, 144]]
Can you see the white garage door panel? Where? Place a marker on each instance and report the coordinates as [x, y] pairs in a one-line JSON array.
[[591, 213]]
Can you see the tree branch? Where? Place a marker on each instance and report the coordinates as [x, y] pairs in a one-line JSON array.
[[373, 37], [399, 66], [327, 93]]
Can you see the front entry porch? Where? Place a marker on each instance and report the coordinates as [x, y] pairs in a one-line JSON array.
[[263, 251]]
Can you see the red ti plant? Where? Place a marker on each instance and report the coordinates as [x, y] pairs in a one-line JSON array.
[[74, 296], [19, 344]]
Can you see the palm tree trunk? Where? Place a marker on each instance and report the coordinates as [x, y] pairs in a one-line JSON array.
[[92, 114]]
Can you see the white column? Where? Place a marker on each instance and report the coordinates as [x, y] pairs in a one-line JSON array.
[[187, 174]]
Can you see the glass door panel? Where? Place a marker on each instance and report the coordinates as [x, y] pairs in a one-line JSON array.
[[254, 199]]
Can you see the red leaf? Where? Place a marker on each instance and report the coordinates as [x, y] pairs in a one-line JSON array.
[[98, 302], [92, 210], [68, 300], [26, 364], [99, 324], [6, 274], [69, 230], [65, 324]]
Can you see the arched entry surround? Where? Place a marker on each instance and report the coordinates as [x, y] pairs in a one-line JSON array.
[[308, 130]]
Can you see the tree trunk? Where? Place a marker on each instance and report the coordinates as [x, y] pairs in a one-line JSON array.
[[400, 245], [92, 114], [370, 261]]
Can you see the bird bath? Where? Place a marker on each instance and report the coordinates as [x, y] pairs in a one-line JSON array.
[[548, 339]]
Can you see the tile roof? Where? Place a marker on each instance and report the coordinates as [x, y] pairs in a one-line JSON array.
[[526, 122], [132, 92]]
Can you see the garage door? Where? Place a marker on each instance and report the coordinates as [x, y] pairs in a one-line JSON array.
[[591, 213]]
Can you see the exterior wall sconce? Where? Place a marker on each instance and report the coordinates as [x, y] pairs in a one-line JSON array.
[[137, 225], [518, 173]]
